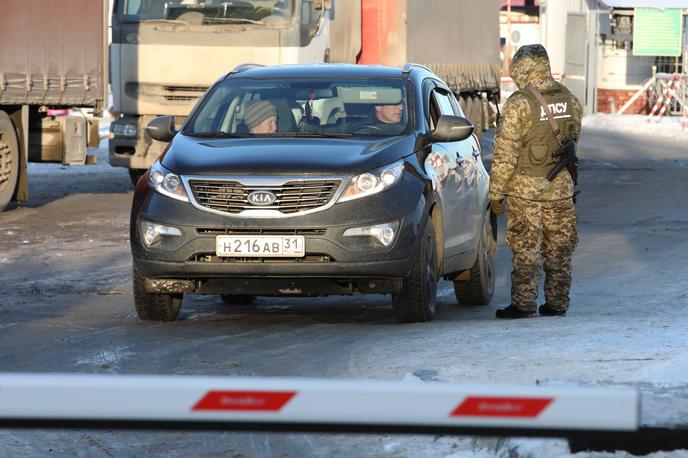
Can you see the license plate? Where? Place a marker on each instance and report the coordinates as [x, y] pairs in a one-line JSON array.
[[261, 246]]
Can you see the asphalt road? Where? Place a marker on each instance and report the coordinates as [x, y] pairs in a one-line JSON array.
[[66, 306]]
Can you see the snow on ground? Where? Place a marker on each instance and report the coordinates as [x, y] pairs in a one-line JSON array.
[[666, 126]]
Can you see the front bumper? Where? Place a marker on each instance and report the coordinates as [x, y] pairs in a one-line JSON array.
[[333, 264]]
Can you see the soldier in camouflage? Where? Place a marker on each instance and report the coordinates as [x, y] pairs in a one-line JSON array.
[[542, 221]]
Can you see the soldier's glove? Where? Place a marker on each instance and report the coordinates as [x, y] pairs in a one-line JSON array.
[[498, 206]]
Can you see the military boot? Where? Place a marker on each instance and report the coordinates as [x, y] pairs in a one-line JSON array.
[[548, 310], [513, 312]]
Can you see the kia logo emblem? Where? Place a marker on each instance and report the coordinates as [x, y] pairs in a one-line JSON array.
[[261, 198]]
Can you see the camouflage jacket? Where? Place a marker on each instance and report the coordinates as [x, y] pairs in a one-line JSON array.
[[530, 66]]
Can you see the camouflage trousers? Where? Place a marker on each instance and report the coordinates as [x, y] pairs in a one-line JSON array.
[[537, 230]]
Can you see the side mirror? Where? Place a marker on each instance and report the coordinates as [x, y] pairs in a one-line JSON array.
[[452, 129], [162, 129]]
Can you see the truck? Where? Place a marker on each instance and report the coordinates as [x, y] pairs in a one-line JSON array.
[[53, 85], [166, 53]]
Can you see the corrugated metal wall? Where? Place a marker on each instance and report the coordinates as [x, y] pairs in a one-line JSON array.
[[52, 51]]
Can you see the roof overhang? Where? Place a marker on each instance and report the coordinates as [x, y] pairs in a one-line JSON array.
[[680, 4]]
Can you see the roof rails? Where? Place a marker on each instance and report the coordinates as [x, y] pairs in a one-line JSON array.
[[409, 66], [245, 66]]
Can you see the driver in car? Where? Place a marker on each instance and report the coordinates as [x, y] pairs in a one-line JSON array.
[[385, 119]]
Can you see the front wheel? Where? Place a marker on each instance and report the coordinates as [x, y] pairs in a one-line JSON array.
[[418, 296], [154, 306], [479, 287]]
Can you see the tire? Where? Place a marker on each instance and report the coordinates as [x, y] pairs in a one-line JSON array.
[[238, 299], [135, 175], [418, 296], [9, 160], [479, 288], [155, 306]]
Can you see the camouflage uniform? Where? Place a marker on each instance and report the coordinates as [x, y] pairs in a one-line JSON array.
[[542, 221]]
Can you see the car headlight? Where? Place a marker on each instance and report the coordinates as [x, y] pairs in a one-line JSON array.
[[373, 182], [166, 183], [120, 129]]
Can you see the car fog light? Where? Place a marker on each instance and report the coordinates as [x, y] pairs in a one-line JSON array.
[[383, 233], [152, 233]]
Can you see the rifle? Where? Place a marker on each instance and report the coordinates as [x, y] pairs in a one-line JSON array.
[[569, 160], [567, 147]]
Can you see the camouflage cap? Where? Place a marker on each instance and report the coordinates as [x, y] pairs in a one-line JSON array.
[[530, 65]]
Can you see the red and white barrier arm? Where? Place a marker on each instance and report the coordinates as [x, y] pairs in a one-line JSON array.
[[51, 399]]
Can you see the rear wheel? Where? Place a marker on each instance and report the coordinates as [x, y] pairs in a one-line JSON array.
[[155, 306], [479, 287], [238, 299], [9, 160], [418, 296]]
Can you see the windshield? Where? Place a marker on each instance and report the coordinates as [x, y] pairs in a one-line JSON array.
[[243, 107], [210, 12]]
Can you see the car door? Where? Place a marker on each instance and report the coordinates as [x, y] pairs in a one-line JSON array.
[[446, 161], [475, 182]]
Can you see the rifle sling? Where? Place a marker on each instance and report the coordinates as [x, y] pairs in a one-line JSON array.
[[550, 117]]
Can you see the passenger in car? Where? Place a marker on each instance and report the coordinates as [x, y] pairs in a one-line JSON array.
[[260, 116]]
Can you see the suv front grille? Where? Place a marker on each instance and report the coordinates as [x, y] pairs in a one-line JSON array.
[[292, 197]]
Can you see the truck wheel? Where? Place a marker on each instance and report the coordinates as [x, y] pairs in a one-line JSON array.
[[479, 288], [135, 175], [238, 299], [418, 296], [155, 306], [9, 160]]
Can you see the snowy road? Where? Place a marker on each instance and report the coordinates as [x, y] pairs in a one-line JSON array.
[[66, 306]]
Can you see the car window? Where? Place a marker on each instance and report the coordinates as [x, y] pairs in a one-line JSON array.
[[455, 104], [439, 105], [349, 107]]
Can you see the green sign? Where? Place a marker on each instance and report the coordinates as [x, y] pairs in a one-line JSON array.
[[657, 32]]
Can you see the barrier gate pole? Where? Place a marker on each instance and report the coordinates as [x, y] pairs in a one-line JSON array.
[[599, 416]]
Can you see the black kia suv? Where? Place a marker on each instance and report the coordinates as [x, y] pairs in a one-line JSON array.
[[306, 180]]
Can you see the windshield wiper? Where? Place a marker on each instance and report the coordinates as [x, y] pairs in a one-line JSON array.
[[215, 135], [162, 21], [231, 20], [312, 134]]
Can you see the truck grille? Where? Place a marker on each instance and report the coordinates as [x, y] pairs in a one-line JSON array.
[[156, 93], [292, 197]]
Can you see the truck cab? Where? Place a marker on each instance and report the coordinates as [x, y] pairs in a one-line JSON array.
[[166, 53]]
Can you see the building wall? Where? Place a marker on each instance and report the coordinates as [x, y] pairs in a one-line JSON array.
[[611, 100], [553, 15]]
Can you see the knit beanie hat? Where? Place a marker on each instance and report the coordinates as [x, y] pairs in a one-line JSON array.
[[258, 111]]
